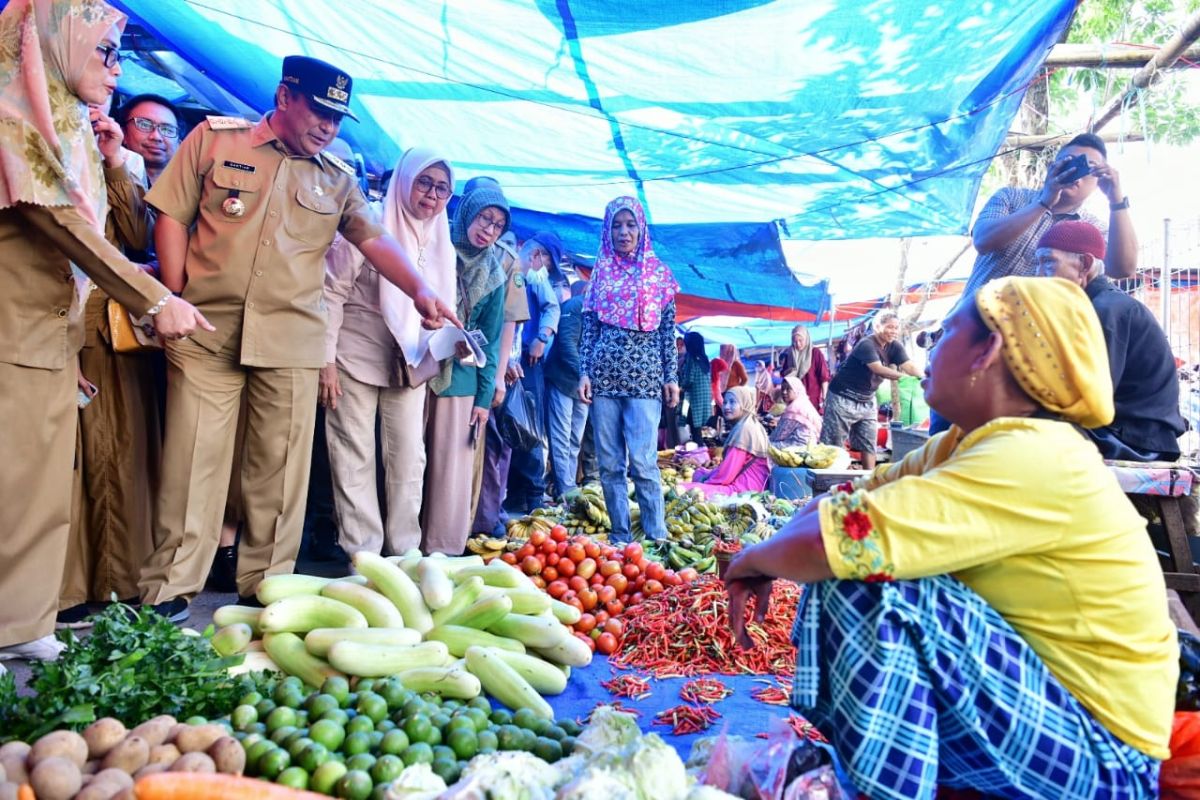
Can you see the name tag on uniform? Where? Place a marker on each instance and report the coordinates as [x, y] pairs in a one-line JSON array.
[[242, 167], [228, 123]]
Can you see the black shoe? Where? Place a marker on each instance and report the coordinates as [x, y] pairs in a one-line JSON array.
[[223, 575], [78, 616], [175, 610], [249, 600]]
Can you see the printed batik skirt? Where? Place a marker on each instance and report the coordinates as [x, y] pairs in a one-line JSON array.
[[920, 684]]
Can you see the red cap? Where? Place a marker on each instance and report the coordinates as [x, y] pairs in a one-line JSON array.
[[1075, 236]]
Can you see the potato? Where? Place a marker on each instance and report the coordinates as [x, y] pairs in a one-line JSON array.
[[164, 754], [99, 790], [125, 794], [90, 768], [8, 790], [194, 762], [14, 768], [18, 749], [129, 756], [229, 755], [117, 777], [59, 744], [103, 735], [56, 778], [198, 738], [154, 731], [150, 769]]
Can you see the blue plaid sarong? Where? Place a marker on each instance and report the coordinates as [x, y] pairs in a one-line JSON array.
[[922, 683]]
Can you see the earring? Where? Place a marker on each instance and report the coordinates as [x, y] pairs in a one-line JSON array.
[[974, 378]]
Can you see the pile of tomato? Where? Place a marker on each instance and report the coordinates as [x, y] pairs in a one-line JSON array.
[[597, 578]]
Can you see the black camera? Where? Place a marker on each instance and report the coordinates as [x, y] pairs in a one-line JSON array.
[[1077, 167]]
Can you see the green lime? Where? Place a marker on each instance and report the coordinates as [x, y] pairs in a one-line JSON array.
[[556, 733], [293, 777], [312, 757], [336, 687], [264, 707], [568, 745], [362, 762], [244, 716], [548, 750], [527, 739], [355, 785], [463, 742], [365, 685], [572, 727], [249, 739], [360, 725], [328, 733], [195, 720], [459, 723], [290, 739], [450, 706], [376, 738], [350, 700], [371, 705], [256, 751], [525, 718], [432, 697], [259, 727], [440, 720], [447, 769], [394, 742], [482, 703], [541, 725], [419, 753], [355, 743], [419, 729], [292, 698], [509, 737], [338, 715], [274, 762], [393, 692], [279, 734], [319, 704], [387, 769], [488, 743], [441, 751], [385, 725], [326, 777], [296, 746], [501, 717], [479, 717], [250, 699]]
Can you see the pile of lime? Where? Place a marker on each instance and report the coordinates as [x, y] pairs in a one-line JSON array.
[[353, 744]]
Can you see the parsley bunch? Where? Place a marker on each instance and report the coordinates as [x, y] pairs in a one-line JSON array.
[[135, 665]]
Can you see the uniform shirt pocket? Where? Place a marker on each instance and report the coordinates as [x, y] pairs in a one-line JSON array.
[[316, 216], [227, 181]]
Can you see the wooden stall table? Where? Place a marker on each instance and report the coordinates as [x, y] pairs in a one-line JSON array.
[[1165, 485]]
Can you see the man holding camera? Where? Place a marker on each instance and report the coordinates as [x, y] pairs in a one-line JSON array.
[[1011, 222]]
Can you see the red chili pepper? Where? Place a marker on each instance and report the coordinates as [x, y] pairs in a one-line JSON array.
[[629, 686], [687, 719], [704, 690], [772, 695]]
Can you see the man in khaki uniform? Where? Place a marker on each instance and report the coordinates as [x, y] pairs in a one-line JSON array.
[[263, 204]]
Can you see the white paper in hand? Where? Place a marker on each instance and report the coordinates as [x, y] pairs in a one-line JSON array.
[[443, 344]]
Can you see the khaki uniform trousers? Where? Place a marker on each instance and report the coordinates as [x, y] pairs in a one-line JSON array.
[[204, 394], [350, 436], [446, 513], [37, 437]]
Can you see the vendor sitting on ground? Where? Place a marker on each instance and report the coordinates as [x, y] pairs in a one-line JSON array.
[[744, 466], [1147, 424], [989, 612], [800, 423]]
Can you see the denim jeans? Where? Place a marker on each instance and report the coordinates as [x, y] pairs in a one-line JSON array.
[[527, 470], [625, 431], [566, 418]]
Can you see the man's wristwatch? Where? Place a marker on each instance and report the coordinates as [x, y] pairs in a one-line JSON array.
[[543, 338], [1121, 205]]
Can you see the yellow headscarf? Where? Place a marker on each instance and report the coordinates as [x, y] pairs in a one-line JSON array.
[[1053, 345]]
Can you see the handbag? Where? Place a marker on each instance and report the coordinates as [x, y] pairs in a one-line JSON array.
[[414, 375], [129, 335]]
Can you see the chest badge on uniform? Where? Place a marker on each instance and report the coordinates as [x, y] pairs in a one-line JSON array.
[[233, 206]]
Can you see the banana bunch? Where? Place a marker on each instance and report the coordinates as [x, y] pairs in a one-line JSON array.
[[814, 456], [518, 530], [486, 546], [787, 456], [589, 505], [691, 516]]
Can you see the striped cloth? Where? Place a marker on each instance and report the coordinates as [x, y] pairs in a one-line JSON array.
[[921, 683]]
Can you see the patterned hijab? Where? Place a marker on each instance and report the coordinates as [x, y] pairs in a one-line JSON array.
[[748, 433], [629, 293], [479, 269], [48, 155], [426, 241]]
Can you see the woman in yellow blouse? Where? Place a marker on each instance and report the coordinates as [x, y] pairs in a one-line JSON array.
[[988, 613]]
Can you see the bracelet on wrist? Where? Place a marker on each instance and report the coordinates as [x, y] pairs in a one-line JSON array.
[[160, 305]]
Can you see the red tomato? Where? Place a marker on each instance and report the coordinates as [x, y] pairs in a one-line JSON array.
[[588, 598], [586, 568], [566, 567], [530, 565], [671, 578], [538, 538], [609, 568], [558, 533], [568, 595], [614, 627], [631, 571], [586, 623], [550, 547], [577, 583], [596, 580], [655, 571], [538, 581], [509, 558], [526, 550], [608, 551], [614, 608], [688, 574], [636, 598], [575, 552], [639, 582], [549, 573], [618, 582], [589, 641], [605, 594], [653, 587], [633, 551], [574, 601], [552, 559], [561, 549], [591, 549], [606, 644], [556, 589], [601, 618]]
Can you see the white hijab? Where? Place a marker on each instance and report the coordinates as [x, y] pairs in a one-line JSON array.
[[427, 243]]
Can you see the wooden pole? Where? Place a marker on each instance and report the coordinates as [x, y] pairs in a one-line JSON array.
[[1171, 52], [1111, 56], [1028, 141]]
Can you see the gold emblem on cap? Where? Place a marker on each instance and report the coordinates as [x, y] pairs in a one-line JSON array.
[[336, 94], [341, 81], [233, 207]]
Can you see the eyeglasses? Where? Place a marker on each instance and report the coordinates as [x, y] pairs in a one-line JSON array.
[[144, 125], [489, 224], [440, 190], [112, 56]]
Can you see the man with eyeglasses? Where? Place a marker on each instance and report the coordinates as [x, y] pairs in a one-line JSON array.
[[152, 126]]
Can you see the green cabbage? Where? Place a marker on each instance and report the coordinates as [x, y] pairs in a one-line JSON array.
[[608, 729]]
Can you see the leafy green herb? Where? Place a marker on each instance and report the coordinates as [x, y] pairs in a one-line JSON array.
[[135, 665]]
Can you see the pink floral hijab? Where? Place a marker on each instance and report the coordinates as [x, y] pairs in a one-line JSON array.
[[629, 293]]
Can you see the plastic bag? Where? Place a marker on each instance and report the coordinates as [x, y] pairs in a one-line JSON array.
[[518, 422], [764, 770], [1179, 778]]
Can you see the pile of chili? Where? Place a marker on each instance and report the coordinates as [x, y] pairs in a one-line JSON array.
[[774, 695], [630, 686], [687, 719], [704, 690], [684, 631]]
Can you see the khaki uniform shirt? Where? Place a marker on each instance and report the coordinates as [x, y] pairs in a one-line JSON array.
[[259, 273]]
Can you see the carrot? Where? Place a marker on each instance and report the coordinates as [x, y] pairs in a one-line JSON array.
[[211, 786], [25, 792]]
